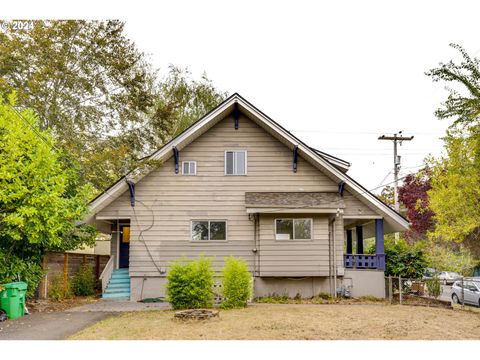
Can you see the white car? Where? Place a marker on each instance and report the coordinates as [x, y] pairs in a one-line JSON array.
[[448, 277], [471, 292]]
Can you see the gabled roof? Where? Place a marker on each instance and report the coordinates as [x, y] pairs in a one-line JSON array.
[[333, 167]]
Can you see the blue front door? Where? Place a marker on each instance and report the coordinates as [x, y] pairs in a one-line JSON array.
[[124, 248]]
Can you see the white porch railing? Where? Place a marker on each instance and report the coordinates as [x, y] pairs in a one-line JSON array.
[[107, 272]]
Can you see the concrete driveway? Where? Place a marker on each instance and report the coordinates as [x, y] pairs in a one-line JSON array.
[[60, 325], [49, 326]]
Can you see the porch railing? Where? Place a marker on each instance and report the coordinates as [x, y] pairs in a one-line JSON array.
[[107, 272], [364, 261]]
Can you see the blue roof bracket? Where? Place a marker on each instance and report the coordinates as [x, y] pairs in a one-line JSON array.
[[236, 115], [176, 156], [341, 187], [295, 158], [131, 189]]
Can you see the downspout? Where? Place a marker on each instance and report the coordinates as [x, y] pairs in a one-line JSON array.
[[332, 253], [330, 257], [334, 261]]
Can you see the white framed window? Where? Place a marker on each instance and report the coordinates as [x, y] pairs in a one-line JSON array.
[[236, 162], [189, 167], [209, 230], [293, 229]]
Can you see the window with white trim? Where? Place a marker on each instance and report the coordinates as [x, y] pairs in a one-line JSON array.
[[209, 230], [293, 229], [236, 162], [189, 168]]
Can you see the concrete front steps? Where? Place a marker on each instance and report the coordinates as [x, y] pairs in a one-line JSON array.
[[118, 287]]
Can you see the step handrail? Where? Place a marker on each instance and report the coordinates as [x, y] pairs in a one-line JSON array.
[[107, 272]]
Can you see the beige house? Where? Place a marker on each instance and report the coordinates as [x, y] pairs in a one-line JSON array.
[[237, 183]]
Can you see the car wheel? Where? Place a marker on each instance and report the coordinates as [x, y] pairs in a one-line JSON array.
[[455, 299]]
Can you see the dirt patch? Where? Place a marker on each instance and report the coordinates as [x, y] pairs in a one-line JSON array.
[[48, 306], [282, 322], [423, 301]]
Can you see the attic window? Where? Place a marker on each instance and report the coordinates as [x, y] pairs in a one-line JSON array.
[[189, 168], [236, 162]]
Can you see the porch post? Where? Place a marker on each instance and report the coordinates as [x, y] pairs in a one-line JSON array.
[[359, 230], [349, 242], [379, 244]]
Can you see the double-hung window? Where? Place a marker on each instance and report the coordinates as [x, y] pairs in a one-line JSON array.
[[293, 229], [189, 168], [208, 230], [236, 162]]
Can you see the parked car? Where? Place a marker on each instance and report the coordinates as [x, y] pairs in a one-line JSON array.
[[471, 292], [448, 277], [429, 273]]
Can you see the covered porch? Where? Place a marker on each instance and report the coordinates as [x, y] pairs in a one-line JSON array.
[[357, 231], [115, 277]]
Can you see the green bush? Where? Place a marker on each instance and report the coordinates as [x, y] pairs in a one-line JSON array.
[[190, 284], [273, 299], [237, 283], [402, 259], [325, 296], [13, 268], [433, 287], [58, 289], [83, 282]]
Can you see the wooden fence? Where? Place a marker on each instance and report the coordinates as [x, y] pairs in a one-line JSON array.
[[67, 265]]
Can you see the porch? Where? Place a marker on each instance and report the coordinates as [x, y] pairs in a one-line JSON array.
[[115, 277], [355, 257]]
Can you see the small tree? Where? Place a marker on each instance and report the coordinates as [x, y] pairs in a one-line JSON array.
[[190, 284], [433, 287], [237, 283]]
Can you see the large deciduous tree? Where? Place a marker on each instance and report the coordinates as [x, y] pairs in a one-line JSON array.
[[40, 198], [413, 195], [96, 91], [455, 193]]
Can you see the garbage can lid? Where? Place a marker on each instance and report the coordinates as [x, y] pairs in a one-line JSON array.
[[20, 285]]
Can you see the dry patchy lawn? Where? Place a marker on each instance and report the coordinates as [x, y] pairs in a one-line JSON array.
[[296, 322]]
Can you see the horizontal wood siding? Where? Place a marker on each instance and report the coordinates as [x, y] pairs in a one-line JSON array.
[[298, 257], [170, 201]]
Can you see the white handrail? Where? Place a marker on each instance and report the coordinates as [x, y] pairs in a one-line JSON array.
[[107, 272]]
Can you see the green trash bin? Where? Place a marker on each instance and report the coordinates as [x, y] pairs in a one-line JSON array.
[[12, 299]]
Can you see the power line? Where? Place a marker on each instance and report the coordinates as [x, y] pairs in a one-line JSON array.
[[397, 139], [41, 137]]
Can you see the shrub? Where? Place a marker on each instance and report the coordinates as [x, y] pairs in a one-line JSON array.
[[13, 268], [58, 289], [190, 284], [433, 287], [237, 283], [325, 296], [402, 259], [273, 299], [83, 282]]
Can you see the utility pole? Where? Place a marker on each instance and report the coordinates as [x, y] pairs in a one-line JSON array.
[[397, 139]]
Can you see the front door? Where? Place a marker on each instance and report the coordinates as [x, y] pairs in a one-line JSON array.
[[124, 247]]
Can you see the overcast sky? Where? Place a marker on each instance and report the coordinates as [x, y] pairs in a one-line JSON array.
[[337, 74]]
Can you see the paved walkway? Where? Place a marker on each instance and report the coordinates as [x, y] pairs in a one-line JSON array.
[[49, 326], [113, 306], [60, 325]]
